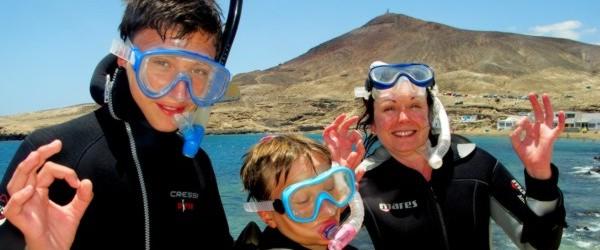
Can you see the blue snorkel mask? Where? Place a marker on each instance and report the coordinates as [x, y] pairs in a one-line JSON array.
[[302, 201], [385, 80]]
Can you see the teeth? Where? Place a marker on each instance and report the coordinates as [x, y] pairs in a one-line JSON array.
[[404, 133], [169, 108]]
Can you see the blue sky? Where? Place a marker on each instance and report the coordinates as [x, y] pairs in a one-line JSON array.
[[50, 48]]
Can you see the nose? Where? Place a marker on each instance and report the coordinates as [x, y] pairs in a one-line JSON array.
[[327, 209], [402, 115], [180, 92]]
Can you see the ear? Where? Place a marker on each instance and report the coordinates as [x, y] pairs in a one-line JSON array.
[[372, 128], [267, 218]]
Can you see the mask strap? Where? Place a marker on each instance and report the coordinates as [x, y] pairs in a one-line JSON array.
[[122, 50]]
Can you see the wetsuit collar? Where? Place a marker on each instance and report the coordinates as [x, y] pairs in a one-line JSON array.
[[118, 97], [460, 148]]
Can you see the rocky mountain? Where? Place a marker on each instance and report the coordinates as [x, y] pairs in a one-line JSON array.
[[479, 72], [484, 73]]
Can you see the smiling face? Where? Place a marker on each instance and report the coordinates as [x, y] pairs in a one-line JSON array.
[[307, 234], [401, 123], [159, 112]]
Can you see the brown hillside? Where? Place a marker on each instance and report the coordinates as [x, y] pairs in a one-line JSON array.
[[308, 91], [486, 74]]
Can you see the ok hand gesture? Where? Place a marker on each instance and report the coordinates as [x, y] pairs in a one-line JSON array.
[[533, 142], [45, 224]]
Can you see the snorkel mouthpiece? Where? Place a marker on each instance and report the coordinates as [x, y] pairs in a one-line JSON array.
[[192, 133], [192, 137], [340, 235]]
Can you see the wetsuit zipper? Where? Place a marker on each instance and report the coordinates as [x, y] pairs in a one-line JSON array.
[[138, 168], [108, 92], [440, 216]]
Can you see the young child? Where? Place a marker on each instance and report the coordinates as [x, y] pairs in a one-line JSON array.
[[298, 193]]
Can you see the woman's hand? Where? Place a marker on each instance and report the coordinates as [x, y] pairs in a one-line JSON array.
[[533, 142], [45, 224], [345, 144]]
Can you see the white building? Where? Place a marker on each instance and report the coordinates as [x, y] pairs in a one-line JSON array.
[[508, 123]]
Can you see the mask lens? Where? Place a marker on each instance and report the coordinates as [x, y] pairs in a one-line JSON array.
[[419, 73], [159, 72], [386, 76], [305, 199]]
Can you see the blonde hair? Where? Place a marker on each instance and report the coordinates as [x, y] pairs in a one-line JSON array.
[[273, 156]]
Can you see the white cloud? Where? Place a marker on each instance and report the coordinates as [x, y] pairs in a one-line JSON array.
[[569, 29]]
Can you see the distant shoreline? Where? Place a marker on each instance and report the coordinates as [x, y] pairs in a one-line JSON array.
[[467, 132]]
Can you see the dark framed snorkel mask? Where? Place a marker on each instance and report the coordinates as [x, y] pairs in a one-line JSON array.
[[385, 77]]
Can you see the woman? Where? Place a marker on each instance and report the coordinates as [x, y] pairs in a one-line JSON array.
[[421, 194]]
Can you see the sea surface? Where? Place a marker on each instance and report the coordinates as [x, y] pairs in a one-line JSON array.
[[574, 157]]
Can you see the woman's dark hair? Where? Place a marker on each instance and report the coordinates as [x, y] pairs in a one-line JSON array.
[[185, 16], [368, 116]]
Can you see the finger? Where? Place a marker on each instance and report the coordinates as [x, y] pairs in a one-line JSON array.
[[50, 149], [338, 120], [328, 130], [335, 156], [561, 124], [548, 110], [23, 172], [52, 171], [356, 157], [537, 109], [355, 136], [528, 126], [332, 138], [515, 135], [359, 173], [333, 127], [360, 150], [82, 198], [29, 166], [347, 123], [15, 204]]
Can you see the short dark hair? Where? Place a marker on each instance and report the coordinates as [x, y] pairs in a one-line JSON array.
[[187, 16]]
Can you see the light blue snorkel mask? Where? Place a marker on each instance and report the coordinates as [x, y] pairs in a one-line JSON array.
[[302, 201]]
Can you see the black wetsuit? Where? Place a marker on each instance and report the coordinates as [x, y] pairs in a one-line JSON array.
[[184, 207], [453, 209], [274, 239]]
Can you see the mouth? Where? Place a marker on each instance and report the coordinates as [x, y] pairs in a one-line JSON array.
[[171, 110], [328, 228], [404, 133]]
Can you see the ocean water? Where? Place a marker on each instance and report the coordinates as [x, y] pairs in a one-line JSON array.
[[575, 159]]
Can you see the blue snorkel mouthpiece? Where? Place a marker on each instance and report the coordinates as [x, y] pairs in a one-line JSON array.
[[191, 128], [192, 137]]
